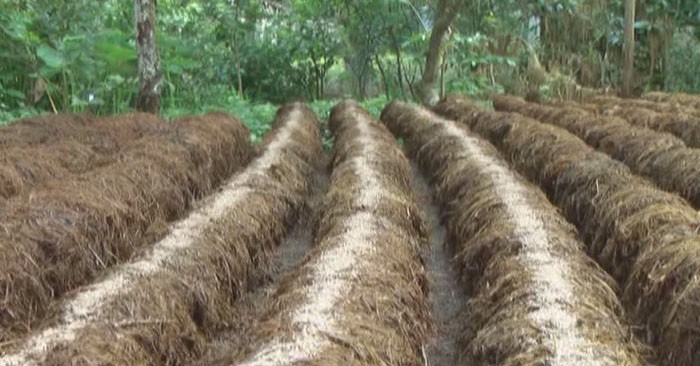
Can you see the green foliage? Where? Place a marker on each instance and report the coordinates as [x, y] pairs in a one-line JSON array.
[[257, 116], [683, 69], [245, 56], [16, 114]]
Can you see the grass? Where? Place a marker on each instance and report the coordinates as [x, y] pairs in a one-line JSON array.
[[257, 116], [8, 116]]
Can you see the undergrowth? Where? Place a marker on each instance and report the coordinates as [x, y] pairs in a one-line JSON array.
[[257, 116]]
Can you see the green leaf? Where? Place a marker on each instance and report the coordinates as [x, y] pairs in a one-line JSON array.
[[642, 24], [115, 53], [13, 93], [48, 72], [116, 79], [51, 57]]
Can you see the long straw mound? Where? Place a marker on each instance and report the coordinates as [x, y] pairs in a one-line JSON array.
[[683, 123], [105, 135], [128, 127], [162, 307], [71, 146], [43, 129], [660, 157], [597, 102], [684, 99], [648, 239], [536, 298], [65, 233], [359, 297]]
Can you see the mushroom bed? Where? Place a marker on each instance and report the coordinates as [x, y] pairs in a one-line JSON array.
[[570, 228]]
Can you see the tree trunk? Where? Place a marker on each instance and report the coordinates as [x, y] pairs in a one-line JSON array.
[[387, 89], [628, 66], [150, 76], [446, 12], [399, 72], [237, 51]]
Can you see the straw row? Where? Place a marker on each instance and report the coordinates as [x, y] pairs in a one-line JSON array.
[[102, 134], [648, 239], [69, 230], [684, 99], [661, 157], [535, 297], [359, 297], [162, 307], [66, 144], [681, 122]]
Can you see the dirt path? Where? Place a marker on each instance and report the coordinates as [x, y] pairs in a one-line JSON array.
[[447, 297], [292, 250], [289, 255]]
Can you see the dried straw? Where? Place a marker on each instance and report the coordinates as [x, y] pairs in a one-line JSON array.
[[43, 129], [646, 237], [660, 157], [683, 99], [536, 298], [683, 123], [130, 317], [359, 297], [70, 145], [71, 230]]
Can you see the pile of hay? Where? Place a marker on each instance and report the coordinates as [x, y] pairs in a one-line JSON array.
[[163, 306], [125, 128], [24, 168], [674, 119], [535, 297], [62, 235], [360, 295], [590, 108], [43, 129], [598, 103], [661, 157], [648, 239], [51, 147], [104, 135]]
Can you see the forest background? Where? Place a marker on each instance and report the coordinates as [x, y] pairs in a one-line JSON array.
[[246, 56]]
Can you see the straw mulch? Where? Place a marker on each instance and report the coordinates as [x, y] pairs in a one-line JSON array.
[[57, 146], [661, 157], [682, 99], [230, 255], [648, 239], [679, 122], [496, 254], [360, 297], [62, 235], [164, 305], [44, 129]]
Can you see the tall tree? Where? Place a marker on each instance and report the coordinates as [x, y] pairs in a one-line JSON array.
[[444, 15], [149, 69], [628, 66]]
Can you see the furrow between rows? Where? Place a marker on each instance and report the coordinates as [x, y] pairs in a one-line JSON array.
[[359, 297]]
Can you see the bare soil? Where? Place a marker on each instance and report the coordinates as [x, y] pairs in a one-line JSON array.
[[300, 239], [290, 254], [446, 296]]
